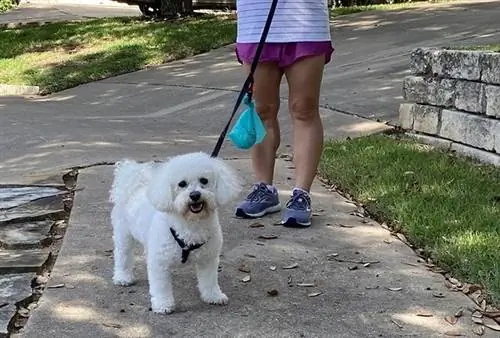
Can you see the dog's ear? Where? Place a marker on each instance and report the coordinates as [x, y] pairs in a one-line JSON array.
[[228, 184], [159, 191]]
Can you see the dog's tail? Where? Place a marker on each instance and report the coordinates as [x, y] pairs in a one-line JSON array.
[[129, 176]]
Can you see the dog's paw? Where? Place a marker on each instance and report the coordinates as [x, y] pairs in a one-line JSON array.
[[216, 299], [164, 308], [123, 279]]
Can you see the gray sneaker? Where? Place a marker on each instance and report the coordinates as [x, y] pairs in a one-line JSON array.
[[298, 210], [259, 202]]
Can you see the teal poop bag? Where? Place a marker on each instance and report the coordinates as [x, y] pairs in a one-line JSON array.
[[248, 129]]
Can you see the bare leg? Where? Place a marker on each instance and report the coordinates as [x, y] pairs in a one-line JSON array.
[[304, 81], [266, 88]]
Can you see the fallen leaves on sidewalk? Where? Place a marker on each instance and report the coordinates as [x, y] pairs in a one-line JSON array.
[[306, 285], [268, 236], [452, 320], [395, 289], [246, 279], [291, 266], [491, 324], [256, 225], [478, 330], [272, 293], [244, 268], [314, 294]]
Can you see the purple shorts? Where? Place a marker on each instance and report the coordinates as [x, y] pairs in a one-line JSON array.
[[285, 54]]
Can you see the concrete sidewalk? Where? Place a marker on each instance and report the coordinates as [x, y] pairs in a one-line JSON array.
[[395, 296]]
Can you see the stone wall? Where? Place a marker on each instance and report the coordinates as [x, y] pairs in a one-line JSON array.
[[453, 99]]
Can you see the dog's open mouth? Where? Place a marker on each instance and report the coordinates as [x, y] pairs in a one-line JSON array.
[[196, 207]]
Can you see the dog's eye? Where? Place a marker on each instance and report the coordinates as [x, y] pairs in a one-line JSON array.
[[183, 184], [203, 181]]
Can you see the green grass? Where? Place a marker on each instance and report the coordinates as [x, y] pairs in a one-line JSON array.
[[57, 56], [447, 205]]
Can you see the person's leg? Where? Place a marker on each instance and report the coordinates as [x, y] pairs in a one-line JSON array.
[[266, 88], [304, 80], [264, 197]]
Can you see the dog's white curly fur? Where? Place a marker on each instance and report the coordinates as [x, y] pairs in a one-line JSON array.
[[149, 199]]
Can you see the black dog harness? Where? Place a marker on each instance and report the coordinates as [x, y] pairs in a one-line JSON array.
[[186, 249]]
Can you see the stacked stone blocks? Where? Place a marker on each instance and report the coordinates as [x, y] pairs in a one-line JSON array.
[[454, 95]]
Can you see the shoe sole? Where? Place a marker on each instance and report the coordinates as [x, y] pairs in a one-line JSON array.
[[293, 223], [242, 214]]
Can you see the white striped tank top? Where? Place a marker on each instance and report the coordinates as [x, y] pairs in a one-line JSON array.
[[293, 21]]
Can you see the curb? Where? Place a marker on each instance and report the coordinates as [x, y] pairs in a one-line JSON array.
[[18, 90]]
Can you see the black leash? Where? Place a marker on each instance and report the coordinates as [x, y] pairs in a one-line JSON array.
[[247, 86]]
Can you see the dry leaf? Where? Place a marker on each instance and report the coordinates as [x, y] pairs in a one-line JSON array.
[[246, 279], [256, 225], [114, 325], [491, 324], [272, 267], [438, 294], [55, 286], [453, 281], [470, 288], [23, 312], [459, 313], [244, 268], [268, 236], [398, 325], [478, 330], [291, 266], [424, 313], [250, 255], [346, 225], [290, 281], [395, 289], [402, 238], [477, 320], [453, 334], [314, 294], [332, 255], [477, 314], [306, 285], [388, 241], [483, 305], [351, 268], [272, 293], [451, 319], [366, 265]]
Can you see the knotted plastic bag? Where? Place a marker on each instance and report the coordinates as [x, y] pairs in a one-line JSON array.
[[249, 129]]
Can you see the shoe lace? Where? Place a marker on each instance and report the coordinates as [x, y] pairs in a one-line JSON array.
[[258, 194], [299, 201]]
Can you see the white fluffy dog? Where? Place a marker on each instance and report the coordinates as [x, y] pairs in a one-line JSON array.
[[172, 210]]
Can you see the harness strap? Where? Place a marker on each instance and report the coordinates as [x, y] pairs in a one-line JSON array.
[[186, 249], [248, 85]]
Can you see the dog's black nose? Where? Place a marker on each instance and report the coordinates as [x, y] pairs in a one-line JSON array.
[[195, 195]]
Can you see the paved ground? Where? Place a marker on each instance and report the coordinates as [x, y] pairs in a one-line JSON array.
[[50, 11], [181, 107]]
